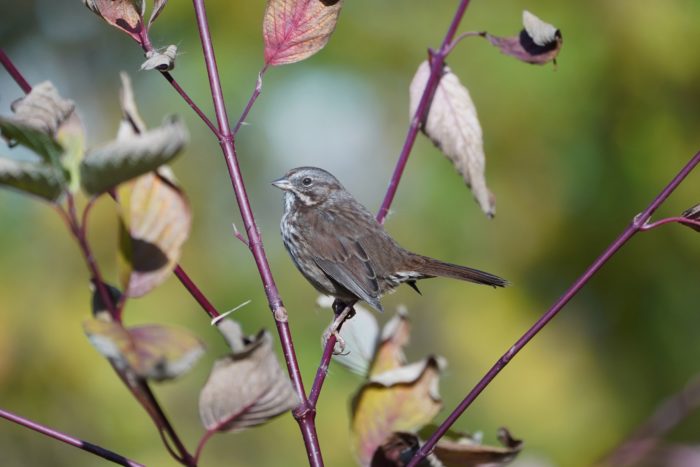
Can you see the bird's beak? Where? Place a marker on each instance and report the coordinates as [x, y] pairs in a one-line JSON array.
[[282, 184]]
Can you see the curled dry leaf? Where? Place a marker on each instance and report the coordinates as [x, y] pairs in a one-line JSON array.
[[126, 15], [402, 399], [158, 6], [247, 387], [296, 29], [36, 179], [538, 43], [161, 61], [131, 123], [36, 121], [397, 451], [693, 214], [468, 452], [453, 126], [156, 221], [123, 159], [152, 352]]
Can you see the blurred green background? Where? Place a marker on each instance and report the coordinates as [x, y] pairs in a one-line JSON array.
[[573, 151]]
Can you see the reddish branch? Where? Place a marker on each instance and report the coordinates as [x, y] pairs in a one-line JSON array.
[[78, 443], [637, 225], [305, 415]]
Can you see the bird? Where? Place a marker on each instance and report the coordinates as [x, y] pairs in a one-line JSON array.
[[343, 251]]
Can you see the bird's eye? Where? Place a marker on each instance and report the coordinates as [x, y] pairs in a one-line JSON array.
[[306, 181]]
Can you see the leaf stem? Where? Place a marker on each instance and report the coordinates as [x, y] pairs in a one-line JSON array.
[[14, 72], [195, 292], [64, 438], [436, 65], [635, 226], [251, 101], [669, 220], [305, 414], [148, 47]]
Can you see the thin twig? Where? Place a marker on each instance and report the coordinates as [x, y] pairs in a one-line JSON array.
[[304, 415], [436, 65], [195, 292], [148, 47], [251, 101], [14, 72], [649, 435], [670, 220], [635, 226], [459, 38], [64, 438]]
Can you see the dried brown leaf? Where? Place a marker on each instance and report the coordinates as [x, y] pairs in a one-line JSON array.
[[161, 61], [397, 451], [453, 126], [538, 43], [693, 214], [390, 351], [158, 6], [151, 351], [296, 29], [247, 387], [468, 452]]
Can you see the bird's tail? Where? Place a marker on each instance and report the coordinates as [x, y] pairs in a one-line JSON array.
[[433, 267]]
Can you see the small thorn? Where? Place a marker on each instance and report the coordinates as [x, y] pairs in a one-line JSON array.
[[240, 236], [224, 315]]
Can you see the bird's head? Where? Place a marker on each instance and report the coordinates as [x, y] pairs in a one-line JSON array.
[[309, 185]]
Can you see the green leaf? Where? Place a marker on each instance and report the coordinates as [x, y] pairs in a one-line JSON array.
[[124, 159], [36, 179]]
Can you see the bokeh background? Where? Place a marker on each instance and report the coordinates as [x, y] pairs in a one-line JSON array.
[[574, 152]]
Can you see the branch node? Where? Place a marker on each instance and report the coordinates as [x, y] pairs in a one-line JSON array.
[[280, 314], [239, 235]]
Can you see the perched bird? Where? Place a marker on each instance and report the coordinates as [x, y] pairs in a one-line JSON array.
[[340, 248]]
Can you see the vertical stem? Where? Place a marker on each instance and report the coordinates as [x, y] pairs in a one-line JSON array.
[[305, 415], [436, 65], [635, 226]]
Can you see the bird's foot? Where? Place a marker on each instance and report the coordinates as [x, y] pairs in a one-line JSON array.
[[342, 312]]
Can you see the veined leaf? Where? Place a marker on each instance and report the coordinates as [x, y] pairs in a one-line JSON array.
[[296, 29], [36, 179], [247, 387], [156, 221], [151, 351], [453, 126], [124, 159], [126, 15]]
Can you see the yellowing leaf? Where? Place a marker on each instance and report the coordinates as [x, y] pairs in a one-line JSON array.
[[402, 399], [453, 126], [151, 351], [126, 15], [395, 337], [156, 222], [296, 29], [247, 387]]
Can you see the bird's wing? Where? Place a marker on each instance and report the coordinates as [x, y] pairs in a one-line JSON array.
[[344, 259]]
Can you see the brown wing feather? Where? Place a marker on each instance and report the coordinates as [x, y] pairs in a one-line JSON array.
[[344, 259]]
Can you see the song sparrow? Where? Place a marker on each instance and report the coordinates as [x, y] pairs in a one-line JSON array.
[[343, 251]]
